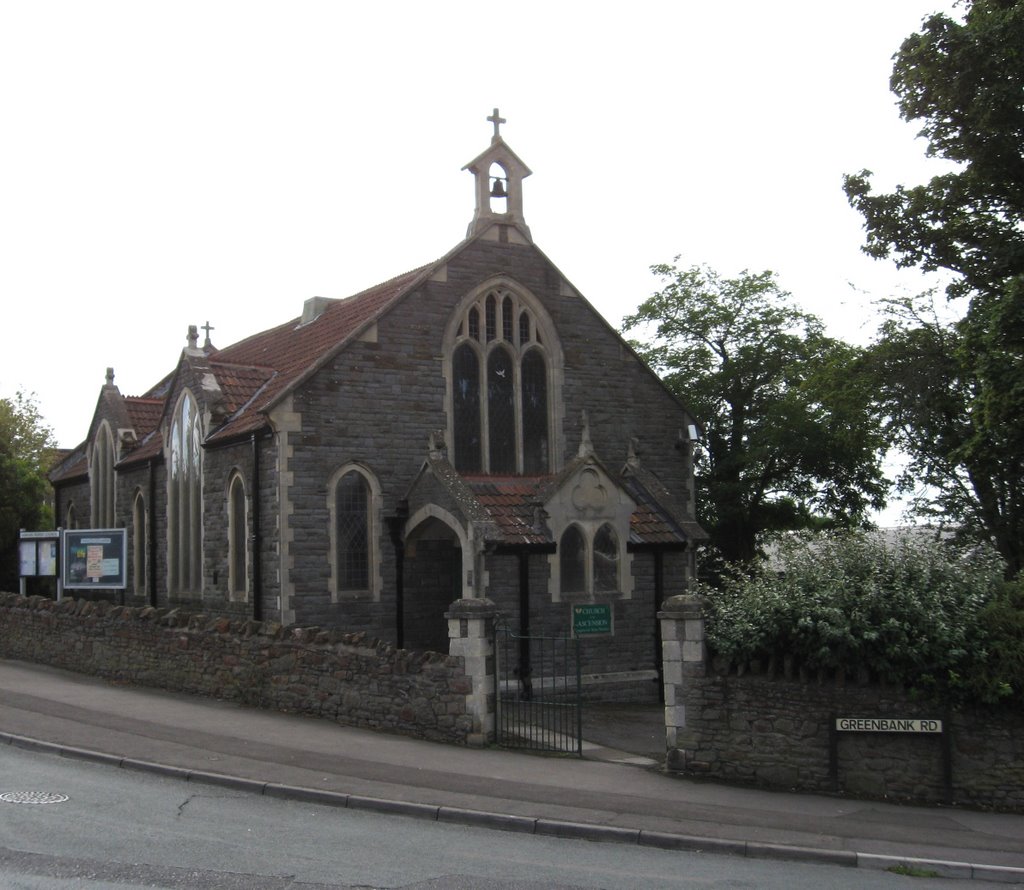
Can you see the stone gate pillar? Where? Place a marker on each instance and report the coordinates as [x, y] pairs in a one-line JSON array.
[[683, 654], [471, 636]]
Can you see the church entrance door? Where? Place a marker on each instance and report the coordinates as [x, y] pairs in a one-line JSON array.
[[433, 581]]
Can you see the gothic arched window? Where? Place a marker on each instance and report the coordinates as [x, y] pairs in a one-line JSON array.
[[238, 538], [535, 413], [501, 379], [139, 542], [101, 479], [184, 499], [606, 560], [572, 555], [354, 505], [501, 412], [466, 406]]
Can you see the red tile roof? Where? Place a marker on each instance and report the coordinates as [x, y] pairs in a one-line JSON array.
[[257, 371], [511, 503], [144, 413]]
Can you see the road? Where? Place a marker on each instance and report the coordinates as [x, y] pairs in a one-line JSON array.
[[121, 830]]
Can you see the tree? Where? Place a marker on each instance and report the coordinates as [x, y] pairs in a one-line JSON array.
[[788, 442], [960, 419], [26, 448]]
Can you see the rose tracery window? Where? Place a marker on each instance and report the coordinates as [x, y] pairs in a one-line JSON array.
[[500, 388]]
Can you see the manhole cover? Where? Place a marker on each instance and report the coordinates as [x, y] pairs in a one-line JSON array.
[[32, 797]]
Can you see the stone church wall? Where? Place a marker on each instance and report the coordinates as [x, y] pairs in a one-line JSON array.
[[374, 405], [342, 422], [779, 732], [327, 674], [219, 465], [76, 494]]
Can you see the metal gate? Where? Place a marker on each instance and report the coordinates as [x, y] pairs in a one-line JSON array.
[[537, 691]]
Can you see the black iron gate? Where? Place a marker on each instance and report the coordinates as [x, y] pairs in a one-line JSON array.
[[537, 691]]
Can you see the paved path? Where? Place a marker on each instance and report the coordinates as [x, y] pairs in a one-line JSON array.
[[608, 795]]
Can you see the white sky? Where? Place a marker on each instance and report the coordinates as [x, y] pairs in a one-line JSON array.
[[167, 163]]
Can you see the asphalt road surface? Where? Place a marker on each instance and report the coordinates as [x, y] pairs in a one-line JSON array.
[[119, 830]]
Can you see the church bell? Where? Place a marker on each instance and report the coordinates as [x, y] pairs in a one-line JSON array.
[[498, 189]]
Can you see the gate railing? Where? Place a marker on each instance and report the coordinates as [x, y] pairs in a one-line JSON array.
[[538, 692]]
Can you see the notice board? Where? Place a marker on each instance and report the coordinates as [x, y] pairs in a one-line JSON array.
[[94, 558]]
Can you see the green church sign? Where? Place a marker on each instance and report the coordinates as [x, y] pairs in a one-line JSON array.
[[591, 618]]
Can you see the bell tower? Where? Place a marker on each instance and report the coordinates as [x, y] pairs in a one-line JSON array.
[[499, 175]]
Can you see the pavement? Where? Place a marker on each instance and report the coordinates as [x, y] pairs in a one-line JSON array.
[[617, 792]]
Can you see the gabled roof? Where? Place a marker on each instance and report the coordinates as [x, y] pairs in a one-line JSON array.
[[513, 508], [513, 505]]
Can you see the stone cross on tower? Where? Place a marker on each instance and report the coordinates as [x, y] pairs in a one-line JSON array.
[[497, 121], [207, 327]]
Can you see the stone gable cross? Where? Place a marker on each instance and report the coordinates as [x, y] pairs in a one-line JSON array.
[[497, 121]]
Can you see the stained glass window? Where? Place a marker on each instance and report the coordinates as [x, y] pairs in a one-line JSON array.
[[352, 515], [506, 319], [491, 315], [535, 413], [572, 552], [500, 380], [606, 560], [237, 537], [501, 418], [185, 500], [466, 407]]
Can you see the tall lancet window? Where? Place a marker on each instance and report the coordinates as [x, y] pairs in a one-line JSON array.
[[184, 499], [354, 506], [101, 478], [500, 386], [140, 541], [238, 538]]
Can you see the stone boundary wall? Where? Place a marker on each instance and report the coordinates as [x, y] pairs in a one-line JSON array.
[[306, 670], [776, 732]]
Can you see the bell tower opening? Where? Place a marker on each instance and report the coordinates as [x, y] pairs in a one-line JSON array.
[[499, 175], [498, 198]]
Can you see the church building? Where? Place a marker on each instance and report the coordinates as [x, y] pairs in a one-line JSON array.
[[471, 428]]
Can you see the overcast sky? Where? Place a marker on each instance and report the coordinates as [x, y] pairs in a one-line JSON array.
[[166, 164]]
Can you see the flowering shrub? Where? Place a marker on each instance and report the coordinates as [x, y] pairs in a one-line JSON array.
[[907, 612]]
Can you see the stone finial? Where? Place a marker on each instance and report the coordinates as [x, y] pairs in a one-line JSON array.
[[193, 336], [633, 454], [540, 519], [208, 327], [586, 448], [110, 376], [437, 448]]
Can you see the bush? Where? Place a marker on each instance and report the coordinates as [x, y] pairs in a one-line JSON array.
[[912, 611]]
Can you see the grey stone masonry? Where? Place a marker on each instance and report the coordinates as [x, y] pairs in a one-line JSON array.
[[684, 658], [348, 678], [471, 632], [763, 729]]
